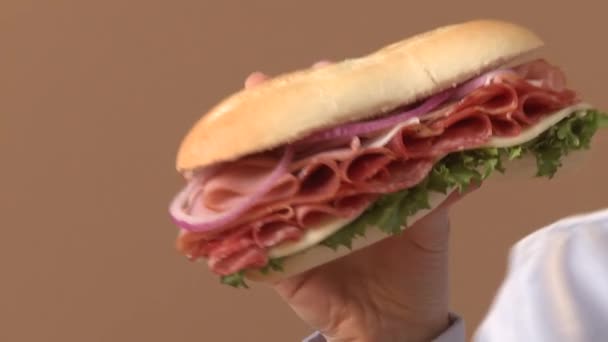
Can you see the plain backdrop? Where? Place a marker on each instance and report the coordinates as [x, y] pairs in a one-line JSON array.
[[96, 95]]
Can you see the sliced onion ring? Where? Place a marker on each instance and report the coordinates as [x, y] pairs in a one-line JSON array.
[[358, 128], [480, 81], [432, 103], [179, 206]]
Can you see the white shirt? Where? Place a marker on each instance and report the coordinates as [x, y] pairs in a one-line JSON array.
[[556, 288]]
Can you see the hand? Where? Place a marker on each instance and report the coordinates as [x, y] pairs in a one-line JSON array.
[[394, 290]]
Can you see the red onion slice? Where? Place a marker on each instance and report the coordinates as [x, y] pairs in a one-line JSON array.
[[480, 81], [179, 208], [432, 103], [358, 128]]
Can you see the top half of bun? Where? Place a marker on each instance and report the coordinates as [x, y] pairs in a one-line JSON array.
[[294, 104]]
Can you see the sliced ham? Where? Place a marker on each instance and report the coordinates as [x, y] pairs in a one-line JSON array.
[[539, 72], [224, 245], [338, 153], [319, 181], [505, 125], [536, 104], [496, 98], [401, 174], [342, 178], [467, 129], [312, 214], [229, 187], [463, 129], [273, 232], [366, 164], [352, 205], [250, 257]]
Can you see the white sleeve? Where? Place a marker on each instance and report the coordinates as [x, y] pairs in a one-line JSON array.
[[556, 288]]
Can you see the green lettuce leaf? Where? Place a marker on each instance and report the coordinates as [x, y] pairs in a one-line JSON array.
[[275, 264], [571, 134], [235, 280], [459, 170], [238, 279]]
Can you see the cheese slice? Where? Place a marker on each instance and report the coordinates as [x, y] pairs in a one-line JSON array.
[[538, 128], [315, 235], [383, 139]]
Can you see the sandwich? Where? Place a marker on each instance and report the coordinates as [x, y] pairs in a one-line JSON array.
[[312, 165]]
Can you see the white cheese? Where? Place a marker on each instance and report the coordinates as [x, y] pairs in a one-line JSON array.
[[537, 129], [383, 139]]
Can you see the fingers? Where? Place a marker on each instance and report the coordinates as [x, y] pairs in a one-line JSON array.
[[258, 77], [255, 79], [321, 64]]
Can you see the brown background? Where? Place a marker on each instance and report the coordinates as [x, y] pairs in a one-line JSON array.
[[95, 96]]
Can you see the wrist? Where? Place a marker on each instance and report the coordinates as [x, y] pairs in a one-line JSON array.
[[398, 330]]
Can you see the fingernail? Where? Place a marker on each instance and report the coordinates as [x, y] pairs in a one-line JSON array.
[[321, 63], [255, 79]]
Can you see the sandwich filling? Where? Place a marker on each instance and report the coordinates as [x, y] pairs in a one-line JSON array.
[[332, 185]]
